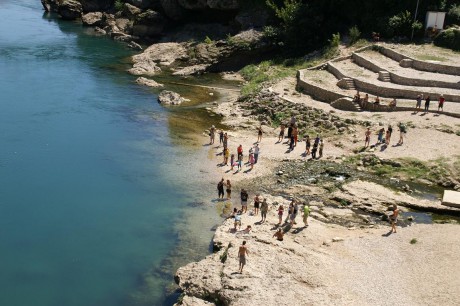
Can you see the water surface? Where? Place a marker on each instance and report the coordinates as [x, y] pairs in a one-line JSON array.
[[88, 201]]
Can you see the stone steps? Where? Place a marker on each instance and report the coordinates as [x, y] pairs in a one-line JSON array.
[[384, 76]]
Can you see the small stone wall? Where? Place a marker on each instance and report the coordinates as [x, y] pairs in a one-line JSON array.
[[398, 79], [335, 71], [345, 104], [418, 64], [316, 91]]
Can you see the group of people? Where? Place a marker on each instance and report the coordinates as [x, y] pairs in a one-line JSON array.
[[363, 102], [292, 136], [261, 205], [420, 98], [383, 137], [236, 160]]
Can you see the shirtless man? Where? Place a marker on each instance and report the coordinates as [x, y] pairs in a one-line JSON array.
[[394, 218], [242, 253], [368, 137]]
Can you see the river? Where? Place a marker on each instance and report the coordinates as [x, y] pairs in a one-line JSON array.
[[92, 196]]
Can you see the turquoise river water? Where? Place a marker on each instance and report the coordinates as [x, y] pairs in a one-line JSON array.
[[88, 203]]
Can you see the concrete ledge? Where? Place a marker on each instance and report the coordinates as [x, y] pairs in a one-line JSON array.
[[451, 198]]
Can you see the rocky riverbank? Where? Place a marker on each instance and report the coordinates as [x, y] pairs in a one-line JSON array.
[[346, 255]]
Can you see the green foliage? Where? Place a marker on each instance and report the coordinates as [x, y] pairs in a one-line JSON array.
[[286, 12], [119, 4], [400, 24], [332, 48], [238, 42], [208, 40], [354, 34], [449, 38], [413, 241], [453, 15]]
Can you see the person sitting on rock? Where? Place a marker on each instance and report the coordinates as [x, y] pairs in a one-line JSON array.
[[377, 101], [393, 103], [357, 97], [279, 234]]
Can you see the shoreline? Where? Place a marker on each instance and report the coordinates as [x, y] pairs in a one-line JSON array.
[[213, 280]]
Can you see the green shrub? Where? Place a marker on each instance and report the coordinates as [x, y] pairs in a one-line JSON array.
[[402, 24], [208, 40], [453, 15], [449, 38], [119, 5], [354, 34]]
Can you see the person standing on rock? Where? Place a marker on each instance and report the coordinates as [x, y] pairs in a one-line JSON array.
[[264, 210], [289, 131], [256, 204], [212, 134], [259, 134], [225, 141], [244, 200], [306, 213], [314, 150], [290, 211], [394, 218], [226, 155], [220, 189], [427, 104], [232, 161], [256, 153], [240, 162], [242, 253], [295, 133], [441, 103], [292, 139], [280, 214], [321, 147], [368, 137], [239, 150], [307, 145], [387, 137], [221, 137], [418, 105], [229, 189], [281, 135], [380, 136], [295, 211], [402, 131], [251, 160]]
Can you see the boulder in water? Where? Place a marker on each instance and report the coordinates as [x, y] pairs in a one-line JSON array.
[[170, 98]]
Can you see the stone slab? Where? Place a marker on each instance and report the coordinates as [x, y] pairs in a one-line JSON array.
[[451, 198]]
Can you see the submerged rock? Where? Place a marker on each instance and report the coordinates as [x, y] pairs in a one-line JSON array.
[[170, 98], [148, 82]]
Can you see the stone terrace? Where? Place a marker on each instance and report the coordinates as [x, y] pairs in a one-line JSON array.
[[370, 71]]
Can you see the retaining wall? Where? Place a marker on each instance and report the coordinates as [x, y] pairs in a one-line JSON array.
[[418, 64], [398, 79], [390, 92], [316, 91]]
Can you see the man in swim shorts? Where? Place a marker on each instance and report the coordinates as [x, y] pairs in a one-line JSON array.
[[244, 200], [242, 253]]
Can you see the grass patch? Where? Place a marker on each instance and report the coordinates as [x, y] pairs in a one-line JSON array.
[[277, 69], [413, 241]]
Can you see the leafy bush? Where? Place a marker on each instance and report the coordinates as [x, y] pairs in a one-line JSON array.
[[354, 34], [400, 24], [208, 40], [453, 15], [449, 38], [119, 5]]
